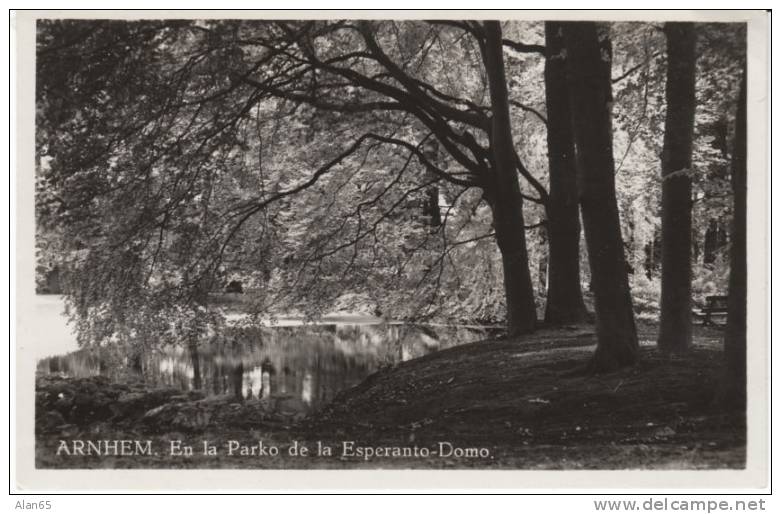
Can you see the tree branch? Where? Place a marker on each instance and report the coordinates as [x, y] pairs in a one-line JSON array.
[[524, 48], [532, 110], [634, 68], [543, 199]]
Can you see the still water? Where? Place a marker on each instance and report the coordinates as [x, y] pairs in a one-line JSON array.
[[308, 363]]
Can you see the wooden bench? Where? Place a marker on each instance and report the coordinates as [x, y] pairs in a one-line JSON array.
[[713, 305]]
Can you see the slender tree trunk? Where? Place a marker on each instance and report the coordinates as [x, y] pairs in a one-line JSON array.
[[565, 297], [675, 330], [431, 207], [735, 335], [196, 363], [217, 379], [237, 376], [507, 202], [590, 98]]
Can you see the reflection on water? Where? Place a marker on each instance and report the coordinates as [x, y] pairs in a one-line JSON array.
[[309, 364]]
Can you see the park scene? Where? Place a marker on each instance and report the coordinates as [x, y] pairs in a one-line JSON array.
[[357, 243]]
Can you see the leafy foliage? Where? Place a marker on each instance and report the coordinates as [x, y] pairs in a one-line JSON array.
[[175, 156]]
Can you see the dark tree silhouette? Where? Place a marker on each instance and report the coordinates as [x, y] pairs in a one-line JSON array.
[[565, 297], [675, 331], [505, 194], [735, 335], [588, 67]]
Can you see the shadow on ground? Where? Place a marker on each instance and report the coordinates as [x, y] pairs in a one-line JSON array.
[[509, 403]]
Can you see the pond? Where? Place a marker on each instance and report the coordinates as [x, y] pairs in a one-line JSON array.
[[307, 363]]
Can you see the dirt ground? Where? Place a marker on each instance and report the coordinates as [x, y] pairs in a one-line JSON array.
[[511, 403]]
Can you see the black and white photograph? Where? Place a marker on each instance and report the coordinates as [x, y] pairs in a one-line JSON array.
[[411, 242]]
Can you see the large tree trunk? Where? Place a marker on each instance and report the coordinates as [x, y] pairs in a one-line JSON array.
[[735, 335], [588, 67], [565, 297], [505, 193], [675, 330]]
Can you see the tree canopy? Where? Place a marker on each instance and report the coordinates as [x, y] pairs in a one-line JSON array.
[[334, 164]]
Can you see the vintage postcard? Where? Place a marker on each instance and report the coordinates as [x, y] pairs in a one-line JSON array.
[[328, 250]]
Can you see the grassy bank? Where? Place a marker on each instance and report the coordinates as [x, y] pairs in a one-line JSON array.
[[510, 403]]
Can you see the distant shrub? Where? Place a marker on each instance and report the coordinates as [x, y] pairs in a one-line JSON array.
[[709, 280], [646, 294]]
